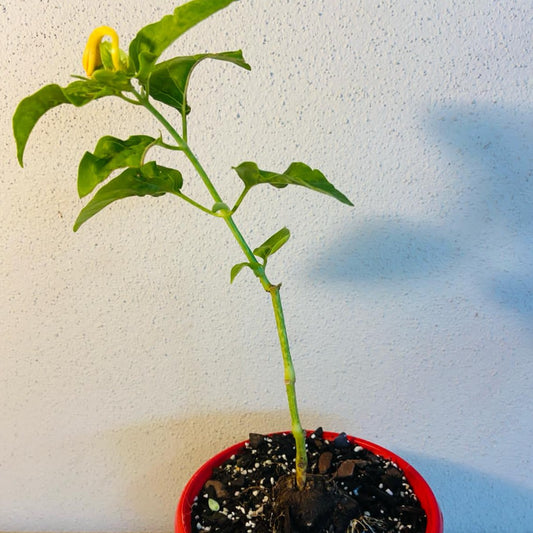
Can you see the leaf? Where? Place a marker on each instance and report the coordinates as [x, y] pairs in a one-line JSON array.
[[110, 154], [213, 505], [80, 93], [33, 107], [150, 179], [296, 174], [236, 269], [107, 61], [256, 268], [272, 244], [153, 39], [30, 110], [117, 80], [169, 79], [220, 206]]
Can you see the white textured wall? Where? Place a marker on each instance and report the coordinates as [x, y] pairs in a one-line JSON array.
[[127, 358]]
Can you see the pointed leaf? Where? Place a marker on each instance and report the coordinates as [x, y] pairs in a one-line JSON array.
[[30, 110], [110, 154], [296, 174], [272, 244], [33, 107], [236, 269], [153, 39], [169, 79], [80, 93], [251, 175], [256, 268], [150, 179]]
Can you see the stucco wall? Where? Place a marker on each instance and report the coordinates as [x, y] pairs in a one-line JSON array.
[[127, 358]]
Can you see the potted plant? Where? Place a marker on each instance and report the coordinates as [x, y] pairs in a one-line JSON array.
[[320, 477]]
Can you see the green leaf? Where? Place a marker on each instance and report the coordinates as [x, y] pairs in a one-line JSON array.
[[220, 206], [80, 93], [150, 179], [153, 39], [110, 154], [30, 110], [118, 81], [213, 505], [296, 174], [33, 107], [272, 244], [169, 79], [236, 269], [107, 61], [256, 268]]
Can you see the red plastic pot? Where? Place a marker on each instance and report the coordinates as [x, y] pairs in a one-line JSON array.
[[424, 494]]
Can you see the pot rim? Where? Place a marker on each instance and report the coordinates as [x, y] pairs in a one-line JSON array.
[[435, 522]]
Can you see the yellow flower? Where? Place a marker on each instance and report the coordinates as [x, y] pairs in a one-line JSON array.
[[91, 56]]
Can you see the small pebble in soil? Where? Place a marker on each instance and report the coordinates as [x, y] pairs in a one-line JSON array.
[[238, 497]]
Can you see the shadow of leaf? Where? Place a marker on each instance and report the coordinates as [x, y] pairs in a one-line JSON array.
[[514, 291], [386, 249], [492, 150]]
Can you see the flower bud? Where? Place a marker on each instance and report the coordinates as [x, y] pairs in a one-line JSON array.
[[91, 56]]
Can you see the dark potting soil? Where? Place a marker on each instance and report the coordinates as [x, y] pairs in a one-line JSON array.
[[349, 490]]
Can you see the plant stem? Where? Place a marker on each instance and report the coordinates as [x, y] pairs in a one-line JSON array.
[[240, 199], [192, 202], [259, 270], [290, 376], [290, 379], [143, 100]]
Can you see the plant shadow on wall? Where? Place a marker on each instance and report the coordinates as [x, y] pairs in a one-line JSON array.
[[482, 243], [490, 154], [388, 249], [491, 160], [492, 148]]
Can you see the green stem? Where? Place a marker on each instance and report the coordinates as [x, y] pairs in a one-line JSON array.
[[290, 380], [126, 99], [240, 199], [184, 118], [169, 146], [192, 202], [181, 144], [259, 270]]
